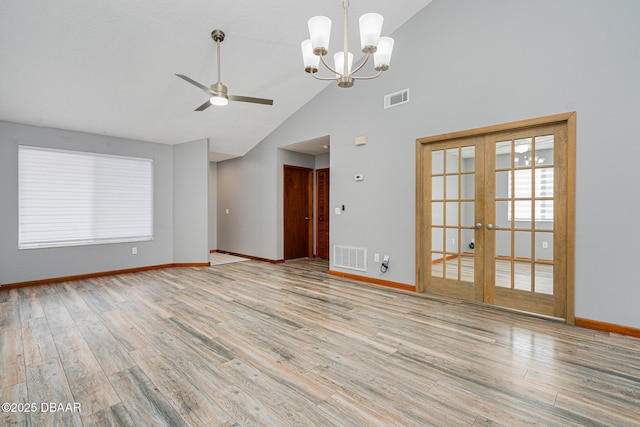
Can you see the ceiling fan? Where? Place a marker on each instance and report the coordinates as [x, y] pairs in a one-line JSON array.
[[218, 92]]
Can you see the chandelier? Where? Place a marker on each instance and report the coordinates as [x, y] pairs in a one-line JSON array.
[[317, 46]]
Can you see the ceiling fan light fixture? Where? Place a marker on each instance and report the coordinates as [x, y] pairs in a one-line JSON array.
[[219, 100]]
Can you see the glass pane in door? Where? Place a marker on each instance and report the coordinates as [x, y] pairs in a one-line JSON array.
[[503, 263], [437, 213], [467, 268], [543, 267]]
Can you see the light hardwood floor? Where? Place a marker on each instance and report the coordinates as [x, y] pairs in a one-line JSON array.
[[253, 343]]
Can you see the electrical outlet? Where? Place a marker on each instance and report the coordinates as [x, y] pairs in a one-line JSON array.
[[376, 257], [386, 258], [545, 245], [134, 251]]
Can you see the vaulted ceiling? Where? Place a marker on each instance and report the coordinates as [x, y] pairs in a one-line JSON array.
[[107, 66]]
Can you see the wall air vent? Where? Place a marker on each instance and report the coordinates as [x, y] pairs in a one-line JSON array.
[[396, 98], [350, 257]]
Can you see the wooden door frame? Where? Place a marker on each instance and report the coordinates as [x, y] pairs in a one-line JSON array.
[[309, 209], [569, 119]]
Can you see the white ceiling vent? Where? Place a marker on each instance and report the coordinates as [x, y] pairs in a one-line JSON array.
[[350, 257], [396, 98]]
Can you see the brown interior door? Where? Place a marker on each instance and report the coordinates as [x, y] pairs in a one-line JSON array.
[[298, 207], [322, 214]]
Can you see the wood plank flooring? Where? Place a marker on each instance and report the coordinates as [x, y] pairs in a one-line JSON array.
[[254, 343]]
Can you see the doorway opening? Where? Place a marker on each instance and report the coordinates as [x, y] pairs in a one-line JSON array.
[[315, 158]]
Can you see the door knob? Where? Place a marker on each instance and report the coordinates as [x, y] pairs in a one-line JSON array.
[[478, 225], [306, 217], [490, 226]]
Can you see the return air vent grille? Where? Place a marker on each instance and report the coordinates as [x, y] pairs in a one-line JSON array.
[[397, 98], [350, 257]]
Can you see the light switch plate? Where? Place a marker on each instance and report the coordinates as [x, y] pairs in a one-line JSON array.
[[338, 211]]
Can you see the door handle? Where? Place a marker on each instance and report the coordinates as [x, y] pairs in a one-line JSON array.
[[478, 225], [306, 217], [490, 227]]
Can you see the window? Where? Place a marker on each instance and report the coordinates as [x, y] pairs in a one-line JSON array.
[[69, 198], [522, 190]]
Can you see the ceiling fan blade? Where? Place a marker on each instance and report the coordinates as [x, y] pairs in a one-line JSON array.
[[204, 106], [195, 83], [249, 99]]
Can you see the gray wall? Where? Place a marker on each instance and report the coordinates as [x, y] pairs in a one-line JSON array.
[[180, 197], [323, 161], [35, 264], [469, 64], [191, 202], [247, 191]]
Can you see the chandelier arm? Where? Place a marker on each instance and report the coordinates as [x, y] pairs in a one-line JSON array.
[[367, 77], [323, 78], [359, 67], [329, 67]]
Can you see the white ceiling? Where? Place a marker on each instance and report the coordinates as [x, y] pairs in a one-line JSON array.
[[107, 66]]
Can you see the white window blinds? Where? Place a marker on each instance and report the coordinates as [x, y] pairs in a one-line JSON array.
[[543, 207], [71, 198]]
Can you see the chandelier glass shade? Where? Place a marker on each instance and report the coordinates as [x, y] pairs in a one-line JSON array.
[[316, 47]]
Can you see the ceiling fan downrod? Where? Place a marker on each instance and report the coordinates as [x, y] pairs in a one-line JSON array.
[[218, 37]]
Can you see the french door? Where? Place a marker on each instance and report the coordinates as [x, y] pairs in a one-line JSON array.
[[495, 215]]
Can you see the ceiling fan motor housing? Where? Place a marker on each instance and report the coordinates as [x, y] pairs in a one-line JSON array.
[[219, 88]]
